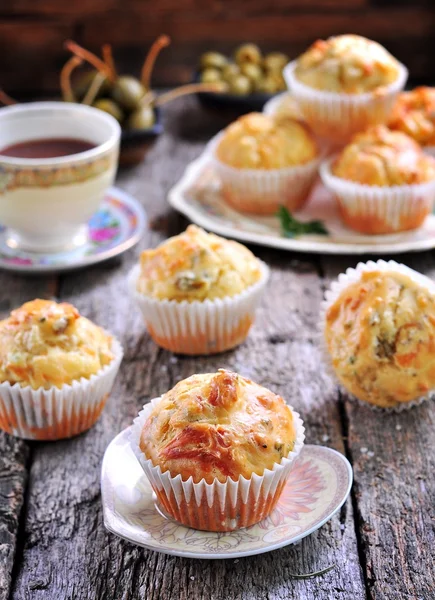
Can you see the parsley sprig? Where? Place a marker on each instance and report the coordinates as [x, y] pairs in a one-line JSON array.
[[291, 227]]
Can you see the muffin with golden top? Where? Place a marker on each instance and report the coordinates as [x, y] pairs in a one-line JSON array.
[[264, 162], [56, 370], [223, 430], [198, 292], [345, 84], [383, 181], [414, 114], [379, 333], [196, 266]]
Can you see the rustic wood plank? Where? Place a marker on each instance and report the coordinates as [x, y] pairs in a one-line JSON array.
[[32, 33], [169, 7], [32, 54], [67, 553], [393, 460], [14, 453]]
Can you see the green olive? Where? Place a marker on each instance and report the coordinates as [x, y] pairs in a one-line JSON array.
[[248, 53], [252, 72], [210, 75], [110, 107], [128, 92], [215, 60], [275, 61], [229, 71], [141, 118], [84, 81], [240, 85], [271, 84]]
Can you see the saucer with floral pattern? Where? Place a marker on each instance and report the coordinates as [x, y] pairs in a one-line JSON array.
[[116, 226], [317, 487]]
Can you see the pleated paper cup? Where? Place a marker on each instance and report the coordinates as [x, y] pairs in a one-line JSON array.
[[332, 294], [263, 191], [338, 116], [195, 328], [430, 150], [373, 209], [216, 506], [57, 413]]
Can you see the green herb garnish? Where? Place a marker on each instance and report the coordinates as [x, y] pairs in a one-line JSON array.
[[291, 227]]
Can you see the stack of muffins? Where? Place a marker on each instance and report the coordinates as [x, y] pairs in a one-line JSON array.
[[346, 95]]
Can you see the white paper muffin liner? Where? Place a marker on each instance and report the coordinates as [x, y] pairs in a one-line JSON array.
[[195, 328], [430, 150], [216, 506], [331, 295], [57, 413], [263, 191], [339, 115], [373, 209]]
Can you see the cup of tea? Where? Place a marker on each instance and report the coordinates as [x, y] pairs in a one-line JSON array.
[[57, 160]]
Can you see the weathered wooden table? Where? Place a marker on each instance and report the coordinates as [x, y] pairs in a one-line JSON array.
[[53, 545]]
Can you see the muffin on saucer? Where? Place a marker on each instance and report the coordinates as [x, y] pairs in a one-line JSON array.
[[383, 181], [217, 450], [264, 163], [378, 330], [56, 371], [198, 292], [345, 84], [414, 114]]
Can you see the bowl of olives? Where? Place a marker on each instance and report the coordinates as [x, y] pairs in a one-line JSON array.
[[129, 99], [248, 79]]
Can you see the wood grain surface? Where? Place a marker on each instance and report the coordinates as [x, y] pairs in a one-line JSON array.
[[32, 33], [50, 509]]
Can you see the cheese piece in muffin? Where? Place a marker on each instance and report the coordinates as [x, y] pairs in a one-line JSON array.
[[45, 344], [196, 265], [414, 114], [348, 64], [218, 426], [380, 335], [382, 157], [259, 141]]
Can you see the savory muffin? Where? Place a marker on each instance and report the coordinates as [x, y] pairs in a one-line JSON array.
[[263, 163], [218, 426], [382, 157], [344, 85], [414, 114], [380, 336], [198, 292], [45, 344], [56, 371], [195, 266], [383, 182], [348, 64], [258, 141], [217, 450]]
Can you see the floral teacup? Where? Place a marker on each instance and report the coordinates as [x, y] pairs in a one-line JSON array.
[[46, 202]]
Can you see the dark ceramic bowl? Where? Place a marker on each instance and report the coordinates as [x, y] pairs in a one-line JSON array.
[[232, 102], [135, 143]]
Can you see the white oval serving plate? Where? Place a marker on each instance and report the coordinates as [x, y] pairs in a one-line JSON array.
[[198, 196], [318, 486]]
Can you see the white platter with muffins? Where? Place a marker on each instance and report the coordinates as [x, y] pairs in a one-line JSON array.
[[345, 117], [198, 196]]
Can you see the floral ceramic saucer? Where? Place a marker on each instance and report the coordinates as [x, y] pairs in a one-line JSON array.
[[318, 486], [113, 229]]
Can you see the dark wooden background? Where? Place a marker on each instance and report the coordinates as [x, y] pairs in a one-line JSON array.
[[32, 32]]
